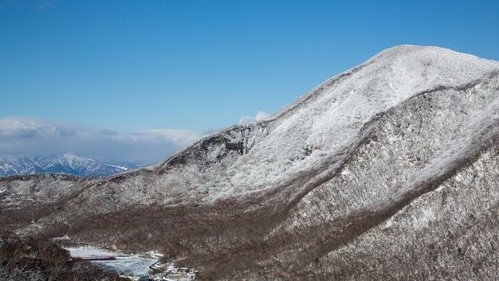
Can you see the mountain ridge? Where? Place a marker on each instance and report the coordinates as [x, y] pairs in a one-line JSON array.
[[261, 127]]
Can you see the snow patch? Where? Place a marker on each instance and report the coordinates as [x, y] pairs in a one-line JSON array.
[[135, 265], [423, 218]]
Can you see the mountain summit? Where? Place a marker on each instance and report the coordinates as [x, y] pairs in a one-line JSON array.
[[386, 171]]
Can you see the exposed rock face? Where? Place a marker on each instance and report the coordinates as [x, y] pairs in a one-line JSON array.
[[387, 171]]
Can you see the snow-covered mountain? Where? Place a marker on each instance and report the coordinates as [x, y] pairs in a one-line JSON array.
[[388, 171], [66, 163]]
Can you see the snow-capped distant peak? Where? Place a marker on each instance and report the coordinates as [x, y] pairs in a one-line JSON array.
[[66, 163]]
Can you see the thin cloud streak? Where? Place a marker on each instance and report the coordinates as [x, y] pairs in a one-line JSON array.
[[35, 137], [260, 116]]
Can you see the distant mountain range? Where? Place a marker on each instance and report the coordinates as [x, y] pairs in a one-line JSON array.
[[66, 163]]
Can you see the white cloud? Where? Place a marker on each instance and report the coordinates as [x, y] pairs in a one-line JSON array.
[[29, 136], [260, 116]]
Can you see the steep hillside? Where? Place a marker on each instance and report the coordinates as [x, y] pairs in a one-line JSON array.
[[390, 165]]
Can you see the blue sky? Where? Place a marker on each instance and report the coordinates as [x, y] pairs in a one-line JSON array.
[[200, 65]]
